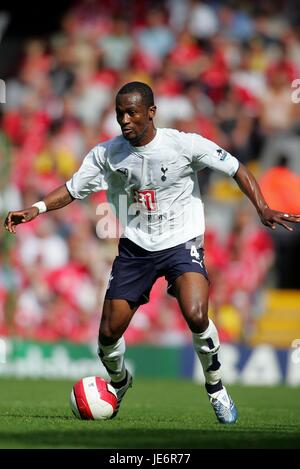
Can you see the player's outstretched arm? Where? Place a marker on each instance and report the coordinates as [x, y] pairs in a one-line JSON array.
[[269, 217], [56, 199]]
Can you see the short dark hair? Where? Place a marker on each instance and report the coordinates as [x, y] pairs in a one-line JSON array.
[[138, 87]]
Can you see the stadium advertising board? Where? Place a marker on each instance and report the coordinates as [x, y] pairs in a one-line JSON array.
[[262, 365]]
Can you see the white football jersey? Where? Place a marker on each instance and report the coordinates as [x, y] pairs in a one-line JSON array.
[[154, 188]]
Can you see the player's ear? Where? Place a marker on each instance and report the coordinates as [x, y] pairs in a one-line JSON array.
[[152, 112]]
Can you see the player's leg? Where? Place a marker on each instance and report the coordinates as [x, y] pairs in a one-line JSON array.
[[191, 290], [131, 280], [115, 318]]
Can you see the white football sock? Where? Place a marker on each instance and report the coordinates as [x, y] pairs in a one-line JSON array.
[[206, 345], [112, 357]]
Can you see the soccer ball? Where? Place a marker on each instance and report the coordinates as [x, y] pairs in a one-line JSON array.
[[93, 398]]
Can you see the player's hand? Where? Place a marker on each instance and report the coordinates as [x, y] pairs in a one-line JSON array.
[[22, 216], [271, 217]]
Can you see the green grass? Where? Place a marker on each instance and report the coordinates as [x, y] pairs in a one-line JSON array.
[[154, 414]]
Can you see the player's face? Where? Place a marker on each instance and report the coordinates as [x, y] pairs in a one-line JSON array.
[[135, 119]]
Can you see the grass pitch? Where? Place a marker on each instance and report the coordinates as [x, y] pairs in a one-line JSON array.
[[154, 414]]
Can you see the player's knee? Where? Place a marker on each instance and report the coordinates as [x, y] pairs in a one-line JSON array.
[[108, 335], [198, 317]]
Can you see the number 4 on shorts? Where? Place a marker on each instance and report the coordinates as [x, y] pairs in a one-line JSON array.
[[194, 252]]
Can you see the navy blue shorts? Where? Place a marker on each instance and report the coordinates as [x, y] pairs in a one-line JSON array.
[[135, 269]]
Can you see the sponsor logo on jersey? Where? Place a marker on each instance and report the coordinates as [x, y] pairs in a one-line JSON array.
[[221, 154], [147, 199]]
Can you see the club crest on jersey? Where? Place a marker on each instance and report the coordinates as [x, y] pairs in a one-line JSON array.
[[147, 199], [221, 154], [163, 170]]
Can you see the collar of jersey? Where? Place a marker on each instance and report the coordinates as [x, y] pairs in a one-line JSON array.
[[149, 145]]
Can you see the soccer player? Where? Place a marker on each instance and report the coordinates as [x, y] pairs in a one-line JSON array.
[[155, 171]]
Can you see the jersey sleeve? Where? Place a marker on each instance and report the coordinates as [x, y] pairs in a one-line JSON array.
[[90, 177], [207, 154]]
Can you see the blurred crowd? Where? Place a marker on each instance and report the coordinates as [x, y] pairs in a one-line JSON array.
[[221, 69]]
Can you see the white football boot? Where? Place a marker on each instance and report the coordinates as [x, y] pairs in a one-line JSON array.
[[223, 406]]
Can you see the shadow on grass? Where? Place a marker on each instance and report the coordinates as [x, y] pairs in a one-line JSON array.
[[66, 418], [148, 439]]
